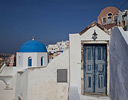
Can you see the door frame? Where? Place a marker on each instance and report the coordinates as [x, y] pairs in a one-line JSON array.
[[82, 66]]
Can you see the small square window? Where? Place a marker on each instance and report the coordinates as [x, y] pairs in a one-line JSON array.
[[61, 75]]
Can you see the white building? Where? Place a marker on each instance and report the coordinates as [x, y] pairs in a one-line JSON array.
[[58, 47], [33, 78], [123, 19], [89, 63], [79, 73], [32, 54], [52, 48], [62, 45]]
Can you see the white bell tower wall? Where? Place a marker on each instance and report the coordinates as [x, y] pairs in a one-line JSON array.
[[22, 59]]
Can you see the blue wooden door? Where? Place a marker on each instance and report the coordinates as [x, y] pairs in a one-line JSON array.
[[95, 68]]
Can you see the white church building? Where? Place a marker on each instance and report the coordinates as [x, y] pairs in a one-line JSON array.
[[80, 73], [32, 54], [33, 78]]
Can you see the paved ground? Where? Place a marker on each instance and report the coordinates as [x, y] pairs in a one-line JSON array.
[[95, 98]]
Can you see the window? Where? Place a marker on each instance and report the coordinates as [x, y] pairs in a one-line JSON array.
[[42, 61], [109, 14], [61, 75], [109, 17], [29, 61], [104, 20]]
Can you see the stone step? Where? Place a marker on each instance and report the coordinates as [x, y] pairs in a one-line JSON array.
[[95, 98]]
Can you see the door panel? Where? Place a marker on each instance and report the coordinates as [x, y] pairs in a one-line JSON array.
[[95, 68], [100, 69], [89, 69]]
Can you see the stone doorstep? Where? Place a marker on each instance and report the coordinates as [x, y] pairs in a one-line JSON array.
[[94, 97]]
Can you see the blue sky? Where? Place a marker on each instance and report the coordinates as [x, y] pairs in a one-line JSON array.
[[48, 21]]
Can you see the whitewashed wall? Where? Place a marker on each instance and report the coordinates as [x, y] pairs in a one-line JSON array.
[[7, 94], [42, 82], [101, 34], [119, 64], [21, 90], [36, 83], [75, 61], [22, 59], [8, 83]]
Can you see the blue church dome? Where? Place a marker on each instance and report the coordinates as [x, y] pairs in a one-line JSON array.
[[33, 46]]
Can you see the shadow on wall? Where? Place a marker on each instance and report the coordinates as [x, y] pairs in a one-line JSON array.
[[74, 95], [119, 64]]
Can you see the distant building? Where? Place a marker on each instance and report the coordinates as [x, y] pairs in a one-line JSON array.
[[108, 17], [12, 61], [111, 17], [123, 19], [62, 45], [52, 48], [56, 49], [1, 59], [4, 58]]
